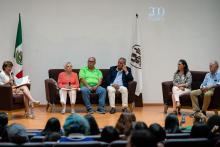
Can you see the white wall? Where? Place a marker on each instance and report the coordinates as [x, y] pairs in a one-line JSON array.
[[56, 31]]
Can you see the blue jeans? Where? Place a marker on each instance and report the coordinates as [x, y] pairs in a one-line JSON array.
[[86, 97]]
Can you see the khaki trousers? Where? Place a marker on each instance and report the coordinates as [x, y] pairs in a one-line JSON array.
[[206, 101]]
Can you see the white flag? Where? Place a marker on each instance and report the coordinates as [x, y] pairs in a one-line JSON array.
[[136, 66]]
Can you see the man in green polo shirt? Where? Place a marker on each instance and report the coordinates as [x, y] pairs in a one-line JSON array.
[[90, 81]]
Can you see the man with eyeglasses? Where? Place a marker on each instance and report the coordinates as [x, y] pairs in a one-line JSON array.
[[212, 80], [90, 81]]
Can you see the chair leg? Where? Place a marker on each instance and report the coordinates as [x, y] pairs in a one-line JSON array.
[[49, 107], [53, 108], [9, 115], [131, 106], [216, 112], [165, 108]]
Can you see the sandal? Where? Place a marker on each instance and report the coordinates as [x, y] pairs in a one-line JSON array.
[[178, 109]]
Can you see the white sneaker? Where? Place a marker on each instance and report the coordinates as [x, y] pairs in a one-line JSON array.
[[63, 110], [73, 111]]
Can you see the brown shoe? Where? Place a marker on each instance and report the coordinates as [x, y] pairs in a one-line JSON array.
[[125, 110]]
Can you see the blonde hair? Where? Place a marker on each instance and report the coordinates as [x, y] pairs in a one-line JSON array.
[[199, 118]]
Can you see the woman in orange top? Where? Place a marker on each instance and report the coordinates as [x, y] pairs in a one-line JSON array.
[[68, 83]]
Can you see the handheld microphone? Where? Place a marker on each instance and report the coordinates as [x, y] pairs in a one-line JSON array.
[[12, 78]]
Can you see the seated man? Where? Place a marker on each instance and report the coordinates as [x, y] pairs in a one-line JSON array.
[[117, 80], [212, 80], [90, 81]]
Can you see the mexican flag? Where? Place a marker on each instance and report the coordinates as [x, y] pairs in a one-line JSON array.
[[18, 54]]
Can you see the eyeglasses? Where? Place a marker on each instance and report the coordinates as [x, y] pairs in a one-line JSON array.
[[69, 66], [91, 61]]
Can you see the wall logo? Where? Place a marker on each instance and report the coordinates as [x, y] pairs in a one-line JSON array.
[[156, 13]]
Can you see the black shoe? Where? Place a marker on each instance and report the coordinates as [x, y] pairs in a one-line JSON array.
[[112, 111], [90, 111], [100, 111], [125, 110], [203, 112]]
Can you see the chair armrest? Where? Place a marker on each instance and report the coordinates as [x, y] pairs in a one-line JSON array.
[[131, 91], [6, 96], [51, 89], [166, 89]]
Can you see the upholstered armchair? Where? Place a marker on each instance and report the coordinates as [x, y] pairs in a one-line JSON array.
[[10, 102]]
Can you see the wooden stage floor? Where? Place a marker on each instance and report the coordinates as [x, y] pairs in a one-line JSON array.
[[148, 114]]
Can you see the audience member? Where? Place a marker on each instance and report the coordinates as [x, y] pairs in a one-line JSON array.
[[17, 134], [142, 138], [124, 122], [109, 134], [3, 127], [158, 132], [200, 130], [52, 137], [172, 124], [199, 118], [52, 125], [94, 129], [75, 128]]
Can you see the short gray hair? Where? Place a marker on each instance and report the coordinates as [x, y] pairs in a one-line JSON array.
[[122, 58], [93, 58], [214, 62]]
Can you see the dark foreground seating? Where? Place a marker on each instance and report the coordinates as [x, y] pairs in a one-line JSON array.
[[118, 143], [177, 135], [55, 144], [192, 142]]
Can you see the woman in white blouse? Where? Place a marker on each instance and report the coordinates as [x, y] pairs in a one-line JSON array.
[[6, 78], [181, 84]]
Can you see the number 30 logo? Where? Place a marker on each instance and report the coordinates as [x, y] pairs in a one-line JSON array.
[[156, 13]]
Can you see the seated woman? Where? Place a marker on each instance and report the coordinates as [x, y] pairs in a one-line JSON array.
[[68, 83], [181, 84], [6, 78]]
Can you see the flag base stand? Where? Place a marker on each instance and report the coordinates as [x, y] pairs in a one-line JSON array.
[[138, 100]]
